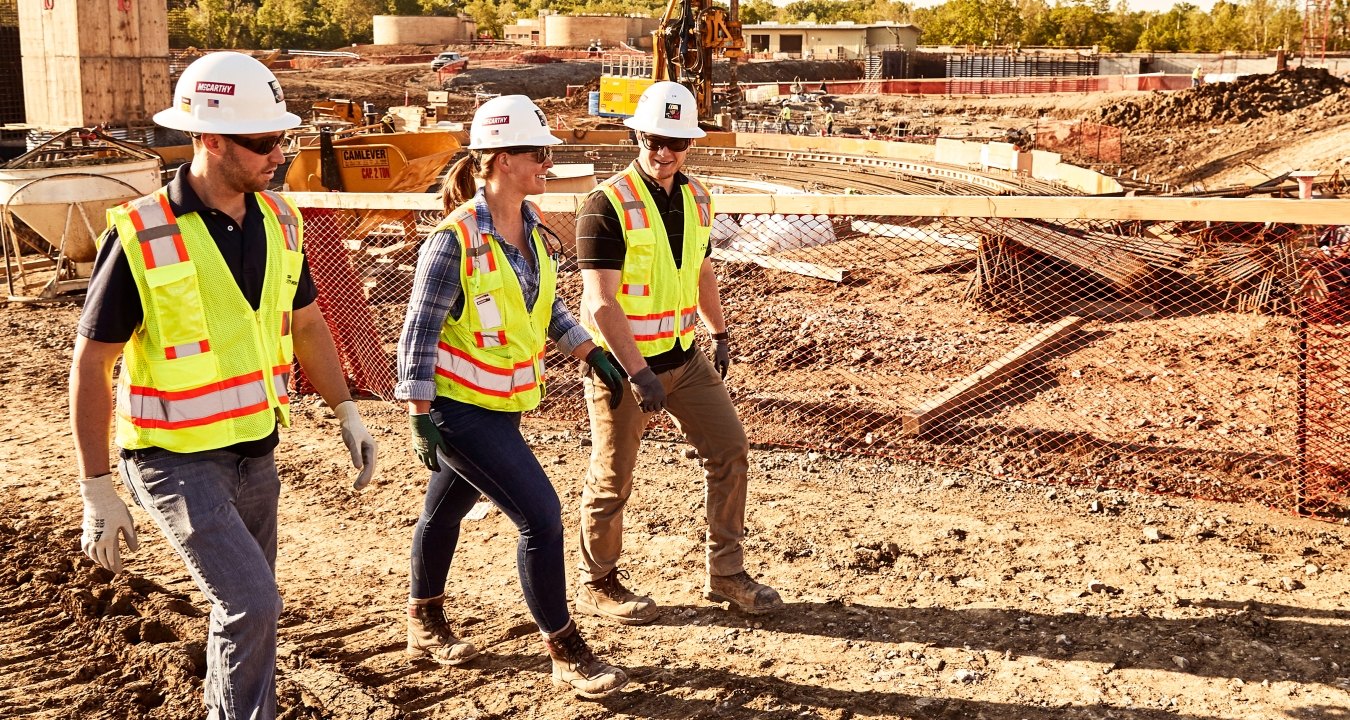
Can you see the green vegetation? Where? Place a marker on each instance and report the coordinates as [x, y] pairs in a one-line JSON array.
[[1259, 25]]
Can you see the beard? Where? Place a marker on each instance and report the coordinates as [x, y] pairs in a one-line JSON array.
[[235, 173]]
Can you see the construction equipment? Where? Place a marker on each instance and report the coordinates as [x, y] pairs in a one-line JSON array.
[[689, 37], [338, 110], [691, 33], [379, 162]]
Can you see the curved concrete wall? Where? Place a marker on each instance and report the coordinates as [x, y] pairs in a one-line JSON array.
[[417, 30], [579, 30]]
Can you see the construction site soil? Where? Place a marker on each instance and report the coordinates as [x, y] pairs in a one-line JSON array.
[[913, 590]]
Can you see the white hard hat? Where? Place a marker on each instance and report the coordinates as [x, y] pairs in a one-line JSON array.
[[227, 92], [667, 109], [509, 121]]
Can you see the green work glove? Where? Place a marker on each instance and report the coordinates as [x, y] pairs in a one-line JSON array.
[[426, 437], [608, 374]]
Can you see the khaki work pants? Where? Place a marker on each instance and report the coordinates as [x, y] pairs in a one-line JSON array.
[[697, 400]]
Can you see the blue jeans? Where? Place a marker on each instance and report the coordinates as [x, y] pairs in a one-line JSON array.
[[489, 456], [218, 510]]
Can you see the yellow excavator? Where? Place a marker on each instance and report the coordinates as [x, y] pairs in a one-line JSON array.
[[691, 34]]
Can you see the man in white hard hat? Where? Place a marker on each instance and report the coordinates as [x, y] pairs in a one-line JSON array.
[[644, 252], [203, 288]]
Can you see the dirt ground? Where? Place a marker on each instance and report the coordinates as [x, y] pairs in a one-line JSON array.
[[913, 590]]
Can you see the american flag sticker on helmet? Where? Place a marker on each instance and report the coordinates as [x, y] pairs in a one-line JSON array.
[[672, 111], [212, 102]]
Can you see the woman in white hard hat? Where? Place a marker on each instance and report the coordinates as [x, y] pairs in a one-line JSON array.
[[470, 361]]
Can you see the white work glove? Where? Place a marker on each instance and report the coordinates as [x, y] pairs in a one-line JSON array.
[[359, 442], [105, 516]]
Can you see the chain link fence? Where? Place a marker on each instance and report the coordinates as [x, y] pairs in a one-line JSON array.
[[1188, 347]]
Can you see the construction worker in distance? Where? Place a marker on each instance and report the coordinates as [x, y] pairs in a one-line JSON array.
[[829, 121], [470, 361], [644, 253], [204, 290], [1197, 76], [785, 116]]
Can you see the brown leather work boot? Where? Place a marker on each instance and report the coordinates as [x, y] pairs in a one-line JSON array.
[[429, 635], [575, 666], [742, 591], [608, 598]]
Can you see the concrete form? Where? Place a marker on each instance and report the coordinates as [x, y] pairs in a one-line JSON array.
[[419, 30], [87, 63]]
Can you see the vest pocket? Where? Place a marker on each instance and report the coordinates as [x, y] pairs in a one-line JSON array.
[[183, 373], [177, 303]]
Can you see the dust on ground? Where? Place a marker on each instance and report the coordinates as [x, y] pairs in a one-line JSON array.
[[913, 590]]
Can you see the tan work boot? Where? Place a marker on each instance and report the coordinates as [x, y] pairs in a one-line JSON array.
[[575, 666], [429, 634], [608, 598], [742, 591]]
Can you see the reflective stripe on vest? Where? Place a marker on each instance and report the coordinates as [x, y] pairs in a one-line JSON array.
[[459, 366], [661, 325], [290, 224], [231, 398], [636, 290], [635, 216], [157, 231]]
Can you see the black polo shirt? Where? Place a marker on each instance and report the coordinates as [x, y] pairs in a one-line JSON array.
[[112, 305], [600, 244]]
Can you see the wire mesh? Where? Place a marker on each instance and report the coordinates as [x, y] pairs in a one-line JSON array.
[[1193, 358]]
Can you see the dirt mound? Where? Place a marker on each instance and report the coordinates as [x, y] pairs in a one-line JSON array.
[[789, 70], [1247, 98], [541, 80]]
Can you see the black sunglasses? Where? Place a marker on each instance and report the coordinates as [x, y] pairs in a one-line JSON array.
[[541, 154], [656, 142], [258, 145]]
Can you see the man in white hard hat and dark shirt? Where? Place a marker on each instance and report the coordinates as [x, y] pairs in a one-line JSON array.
[[203, 289], [643, 248]]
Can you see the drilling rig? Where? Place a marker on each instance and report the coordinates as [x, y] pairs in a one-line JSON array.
[[691, 35]]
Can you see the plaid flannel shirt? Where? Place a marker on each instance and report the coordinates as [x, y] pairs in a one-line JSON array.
[[437, 294]]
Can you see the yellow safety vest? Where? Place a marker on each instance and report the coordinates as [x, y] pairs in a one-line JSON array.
[[494, 363], [660, 300], [204, 370]]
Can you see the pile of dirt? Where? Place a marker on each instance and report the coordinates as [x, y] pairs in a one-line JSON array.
[[788, 70], [536, 80], [1247, 98]]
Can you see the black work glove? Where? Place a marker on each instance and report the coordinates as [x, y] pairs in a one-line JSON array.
[[608, 374], [722, 353], [426, 437], [647, 388]]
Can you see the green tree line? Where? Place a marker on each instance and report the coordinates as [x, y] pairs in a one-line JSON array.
[[1239, 25]]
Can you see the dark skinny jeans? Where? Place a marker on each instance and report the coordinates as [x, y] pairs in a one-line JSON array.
[[488, 455]]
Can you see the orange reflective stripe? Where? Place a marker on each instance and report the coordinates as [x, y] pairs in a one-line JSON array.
[[636, 290], [169, 410], [285, 322], [174, 352], [703, 201], [281, 382], [630, 200], [490, 339], [661, 325], [458, 366], [290, 224], [157, 232]]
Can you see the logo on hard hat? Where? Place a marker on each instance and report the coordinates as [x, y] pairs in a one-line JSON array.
[[277, 95], [672, 111], [217, 88], [497, 120], [540, 114], [185, 104]]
